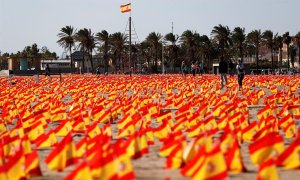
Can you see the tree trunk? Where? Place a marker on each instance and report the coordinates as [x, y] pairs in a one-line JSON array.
[[241, 53], [156, 57], [105, 63], [91, 60], [119, 65], [83, 68], [256, 54], [288, 57], [208, 65], [173, 61], [272, 59], [280, 58], [71, 64], [298, 55]]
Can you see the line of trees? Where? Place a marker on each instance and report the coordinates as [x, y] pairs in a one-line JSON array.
[[190, 46], [29, 53]]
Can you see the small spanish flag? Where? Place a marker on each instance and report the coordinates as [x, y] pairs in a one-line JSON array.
[[125, 8]]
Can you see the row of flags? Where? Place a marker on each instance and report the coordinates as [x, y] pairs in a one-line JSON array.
[[202, 139]]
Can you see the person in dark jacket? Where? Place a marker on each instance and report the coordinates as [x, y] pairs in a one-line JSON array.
[[223, 70], [47, 70], [241, 73]]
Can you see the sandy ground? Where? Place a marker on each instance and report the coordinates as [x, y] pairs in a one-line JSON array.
[[151, 166]]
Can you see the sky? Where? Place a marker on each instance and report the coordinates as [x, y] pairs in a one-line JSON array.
[[24, 22]]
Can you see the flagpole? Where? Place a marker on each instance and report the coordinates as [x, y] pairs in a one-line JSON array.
[[130, 42]]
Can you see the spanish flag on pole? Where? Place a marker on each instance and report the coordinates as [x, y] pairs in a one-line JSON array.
[[125, 8], [82, 171], [63, 155], [270, 146], [267, 171], [15, 166]]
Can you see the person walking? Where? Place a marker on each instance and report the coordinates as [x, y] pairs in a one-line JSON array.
[[98, 71], [48, 71], [223, 70], [241, 73]]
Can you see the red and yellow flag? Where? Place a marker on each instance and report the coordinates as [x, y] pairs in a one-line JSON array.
[[32, 165], [125, 8], [82, 171], [289, 159], [267, 171], [270, 146], [16, 165], [213, 166], [63, 155]]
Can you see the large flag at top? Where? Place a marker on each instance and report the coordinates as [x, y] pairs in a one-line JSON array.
[[125, 8]]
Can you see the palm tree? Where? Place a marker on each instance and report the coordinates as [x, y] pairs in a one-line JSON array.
[[86, 40], [191, 41], [297, 37], [67, 39], [145, 51], [254, 38], [221, 34], [278, 46], [287, 40], [238, 38], [153, 39], [172, 39], [206, 50], [104, 40], [35, 51], [118, 41], [268, 39]]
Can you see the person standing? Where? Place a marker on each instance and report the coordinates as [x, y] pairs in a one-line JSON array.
[[241, 73], [183, 69], [194, 68], [223, 70], [98, 71], [47, 70], [201, 68]]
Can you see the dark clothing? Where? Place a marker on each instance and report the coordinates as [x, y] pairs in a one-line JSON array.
[[241, 73], [98, 71], [194, 68], [240, 79], [194, 72], [231, 65], [223, 68], [240, 68], [47, 71], [184, 69]]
